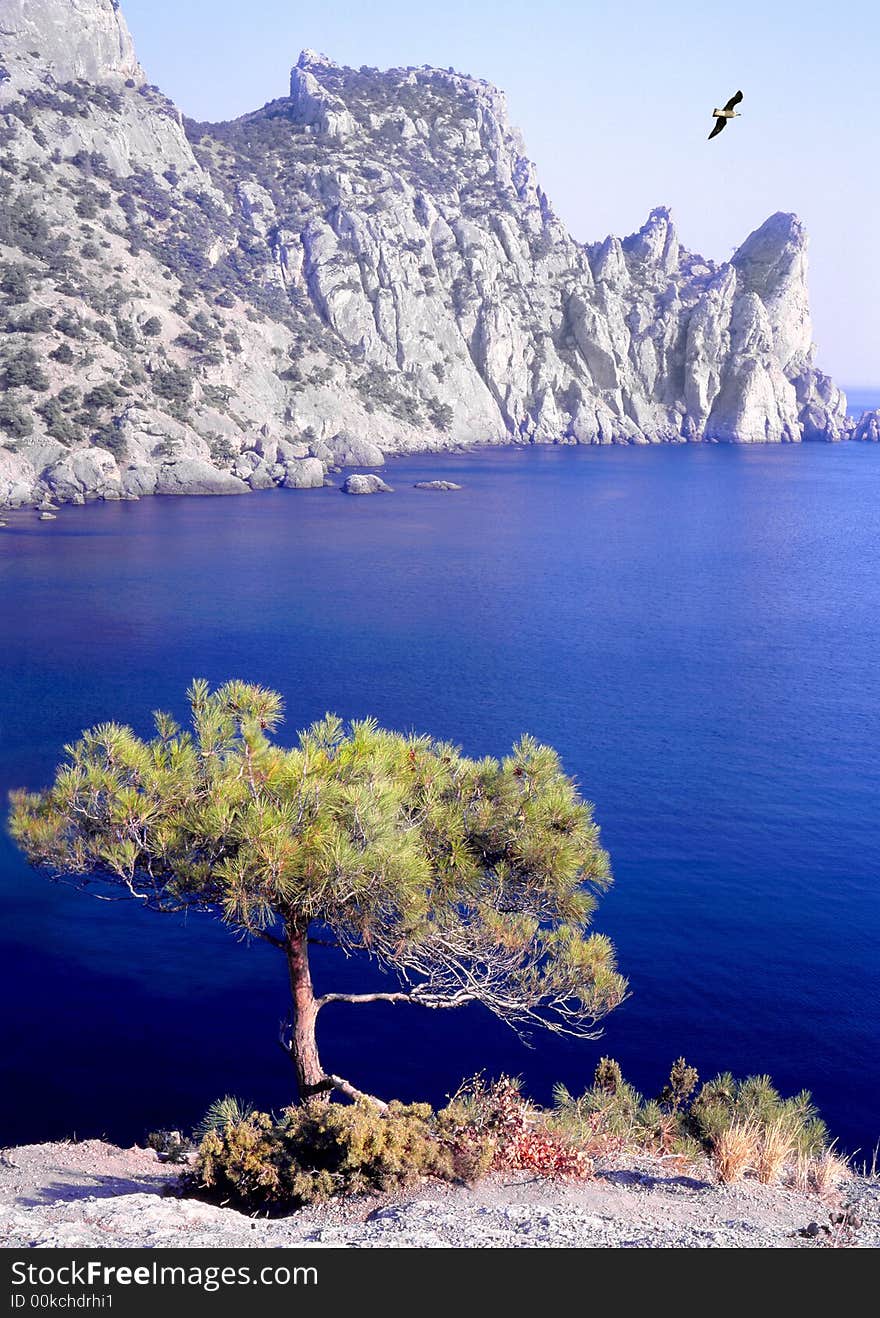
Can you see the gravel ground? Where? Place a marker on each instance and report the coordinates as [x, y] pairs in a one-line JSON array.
[[93, 1194]]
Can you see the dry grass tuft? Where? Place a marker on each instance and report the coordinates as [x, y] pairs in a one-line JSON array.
[[734, 1151], [775, 1146], [829, 1170], [821, 1174]]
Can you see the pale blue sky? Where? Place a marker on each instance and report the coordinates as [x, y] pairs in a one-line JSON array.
[[615, 105]]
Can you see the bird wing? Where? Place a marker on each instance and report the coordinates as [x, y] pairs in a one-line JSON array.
[[720, 125], [734, 101]]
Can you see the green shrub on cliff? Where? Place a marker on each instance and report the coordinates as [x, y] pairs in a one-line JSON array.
[[21, 369], [319, 1150], [755, 1102], [15, 282], [15, 420]]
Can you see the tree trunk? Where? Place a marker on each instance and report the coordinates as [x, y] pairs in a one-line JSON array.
[[311, 1080]]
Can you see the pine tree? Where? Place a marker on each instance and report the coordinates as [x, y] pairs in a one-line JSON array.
[[471, 881]]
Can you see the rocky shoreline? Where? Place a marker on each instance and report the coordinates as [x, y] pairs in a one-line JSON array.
[[292, 471]]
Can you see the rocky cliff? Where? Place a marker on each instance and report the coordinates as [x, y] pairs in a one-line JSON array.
[[365, 266]]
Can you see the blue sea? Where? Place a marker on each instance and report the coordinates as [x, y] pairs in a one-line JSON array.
[[696, 629], [860, 398]]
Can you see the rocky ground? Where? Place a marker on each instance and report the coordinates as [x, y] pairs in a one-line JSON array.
[[93, 1194]]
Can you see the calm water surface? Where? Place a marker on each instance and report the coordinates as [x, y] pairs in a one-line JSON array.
[[696, 629]]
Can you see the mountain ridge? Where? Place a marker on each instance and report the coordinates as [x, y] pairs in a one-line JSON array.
[[365, 266]]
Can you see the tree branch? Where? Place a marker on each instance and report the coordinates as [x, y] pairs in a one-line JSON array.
[[344, 1087], [365, 997], [269, 938]]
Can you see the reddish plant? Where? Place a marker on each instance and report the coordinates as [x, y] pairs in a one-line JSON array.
[[541, 1151], [520, 1139]]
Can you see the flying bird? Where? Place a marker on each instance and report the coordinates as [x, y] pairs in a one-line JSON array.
[[729, 112]]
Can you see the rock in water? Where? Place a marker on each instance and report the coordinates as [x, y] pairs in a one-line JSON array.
[[365, 485], [436, 485], [868, 427], [406, 279]]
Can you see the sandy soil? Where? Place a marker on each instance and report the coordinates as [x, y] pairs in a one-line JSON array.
[[94, 1194]]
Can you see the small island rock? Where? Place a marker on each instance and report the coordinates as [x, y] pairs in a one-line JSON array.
[[868, 427], [369, 484], [436, 485]]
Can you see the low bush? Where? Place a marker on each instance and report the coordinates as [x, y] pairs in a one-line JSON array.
[[173, 383], [494, 1126], [33, 320], [15, 282], [313, 1152], [63, 354], [58, 424], [111, 439], [754, 1101], [223, 453], [70, 325], [318, 1150], [21, 369], [100, 398], [15, 421]]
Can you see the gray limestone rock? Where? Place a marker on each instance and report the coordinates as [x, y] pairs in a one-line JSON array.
[[868, 427], [196, 476], [350, 451], [262, 477], [75, 38], [369, 484], [303, 474], [92, 472]]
